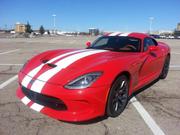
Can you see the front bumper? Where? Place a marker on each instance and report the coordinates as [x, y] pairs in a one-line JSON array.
[[74, 105], [44, 100]]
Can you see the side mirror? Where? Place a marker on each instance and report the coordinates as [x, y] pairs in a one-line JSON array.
[[88, 43], [153, 48]]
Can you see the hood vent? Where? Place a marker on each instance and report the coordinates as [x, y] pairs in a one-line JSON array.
[[44, 61], [51, 65]]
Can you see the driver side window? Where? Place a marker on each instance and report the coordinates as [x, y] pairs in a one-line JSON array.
[[148, 42], [102, 42]]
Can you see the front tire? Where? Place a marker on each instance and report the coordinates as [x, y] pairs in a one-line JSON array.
[[118, 97], [165, 69]]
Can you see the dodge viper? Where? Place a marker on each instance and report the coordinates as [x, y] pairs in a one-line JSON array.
[[82, 84]]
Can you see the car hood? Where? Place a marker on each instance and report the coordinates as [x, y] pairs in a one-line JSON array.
[[61, 66]]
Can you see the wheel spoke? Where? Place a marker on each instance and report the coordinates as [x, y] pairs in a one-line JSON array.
[[122, 84], [116, 106], [122, 98], [115, 100]]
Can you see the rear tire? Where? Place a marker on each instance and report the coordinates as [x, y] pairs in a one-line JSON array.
[[165, 69], [118, 97]]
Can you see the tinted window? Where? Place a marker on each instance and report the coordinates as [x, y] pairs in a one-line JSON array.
[[148, 42], [102, 42], [117, 43]]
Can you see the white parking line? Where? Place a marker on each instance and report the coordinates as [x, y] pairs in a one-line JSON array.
[[174, 66], [9, 51], [146, 117], [11, 64], [175, 53], [4, 84]]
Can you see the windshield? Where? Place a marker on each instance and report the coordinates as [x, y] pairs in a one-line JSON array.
[[117, 43]]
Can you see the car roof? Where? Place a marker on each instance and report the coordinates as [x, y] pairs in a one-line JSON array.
[[132, 34]]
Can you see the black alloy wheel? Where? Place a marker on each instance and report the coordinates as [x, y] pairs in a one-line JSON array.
[[118, 97]]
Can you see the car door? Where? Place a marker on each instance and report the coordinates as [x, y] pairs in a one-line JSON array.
[[151, 63]]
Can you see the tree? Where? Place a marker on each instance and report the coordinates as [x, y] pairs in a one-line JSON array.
[[41, 30], [28, 28]]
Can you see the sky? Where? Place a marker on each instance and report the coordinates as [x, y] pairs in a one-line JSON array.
[[79, 15]]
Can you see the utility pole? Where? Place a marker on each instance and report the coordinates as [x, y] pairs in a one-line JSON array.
[[150, 24], [54, 22]]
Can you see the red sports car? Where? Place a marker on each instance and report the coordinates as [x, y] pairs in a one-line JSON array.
[[81, 84]]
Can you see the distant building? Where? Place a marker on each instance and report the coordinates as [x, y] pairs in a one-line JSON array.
[[155, 32], [177, 31], [20, 28], [93, 31], [178, 27], [165, 32]]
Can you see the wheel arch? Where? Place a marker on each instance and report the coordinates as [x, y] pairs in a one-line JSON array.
[[169, 55], [127, 74]]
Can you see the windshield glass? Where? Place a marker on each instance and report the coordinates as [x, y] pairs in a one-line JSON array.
[[117, 43]]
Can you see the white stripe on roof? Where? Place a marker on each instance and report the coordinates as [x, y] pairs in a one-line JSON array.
[[124, 34], [114, 34]]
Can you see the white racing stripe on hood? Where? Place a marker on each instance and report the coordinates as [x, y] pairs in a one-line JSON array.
[[38, 85], [37, 107], [114, 34], [65, 54], [25, 100], [33, 72]]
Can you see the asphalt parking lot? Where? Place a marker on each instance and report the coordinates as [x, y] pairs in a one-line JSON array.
[[161, 101]]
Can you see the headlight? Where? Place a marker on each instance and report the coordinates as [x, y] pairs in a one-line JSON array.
[[83, 81]]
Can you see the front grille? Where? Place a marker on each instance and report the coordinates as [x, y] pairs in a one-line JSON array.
[[44, 100]]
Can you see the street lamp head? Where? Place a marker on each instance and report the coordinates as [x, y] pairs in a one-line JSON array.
[[54, 15], [151, 18]]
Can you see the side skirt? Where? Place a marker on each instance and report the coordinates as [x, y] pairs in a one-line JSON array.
[[143, 88]]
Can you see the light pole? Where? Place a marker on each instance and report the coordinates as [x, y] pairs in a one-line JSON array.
[[54, 22], [150, 24]]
